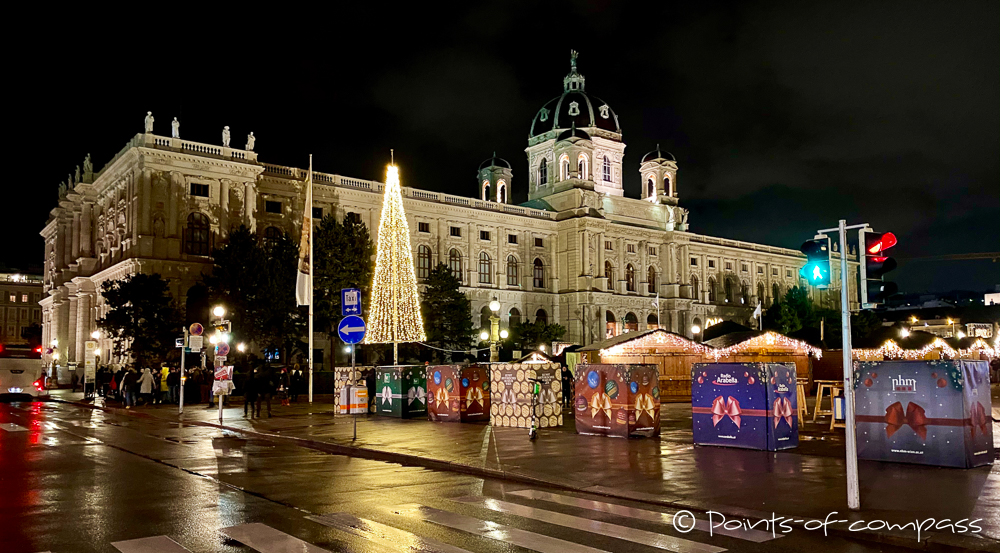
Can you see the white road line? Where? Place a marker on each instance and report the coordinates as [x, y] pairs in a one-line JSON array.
[[265, 539], [494, 531], [11, 427], [634, 535], [155, 544], [756, 536], [382, 534]]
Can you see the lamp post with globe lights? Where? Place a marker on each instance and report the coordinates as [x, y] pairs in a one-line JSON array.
[[494, 335]]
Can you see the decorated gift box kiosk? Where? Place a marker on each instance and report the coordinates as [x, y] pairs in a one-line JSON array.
[[457, 393], [510, 394], [617, 400], [399, 391], [749, 405], [925, 412]]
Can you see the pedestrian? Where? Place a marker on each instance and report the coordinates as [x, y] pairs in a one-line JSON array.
[[284, 384], [567, 386], [164, 387], [265, 388], [250, 393], [128, 387], [146, 384], [75, 380], [296, 385], [174, 385], [154, 395]]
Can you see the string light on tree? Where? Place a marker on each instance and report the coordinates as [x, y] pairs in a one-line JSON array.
[[395, 306]]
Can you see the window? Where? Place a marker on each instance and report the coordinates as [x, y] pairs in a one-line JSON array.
[[36, 314], [514, 317], [694, 288], [609, 325], [609, 273], [455, 264], [584, 166], [607, 245], [538, 243], [198, 189], [485, 268], [694, 261], [484, 317], [788, 273], [666, 185], [486, 190], [423, 262], [607, 169], [651, 280], [272, 235], [484, 235], [650, 188], [512, 275], [512, 239], [353, 217], [629, 278], [760, 292], [744, 293], [317, 213], [13, 298], [775, 292], [760, 270], [729, 291], [455, 231], [541, 317], [652, 322], [744, 267], [630, 248], [272, 206], [543, 172], [424, 227], [711, 263], [539, 274], [24, 298], [712, 298], [630, 323], [24, 313], [651, 251], [774, 271], [564, 167], [729, 265], [502, 192], [196, 237]]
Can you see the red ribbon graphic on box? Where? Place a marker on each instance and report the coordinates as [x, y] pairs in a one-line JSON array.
[[725, 408], [914, 417], [979, 419], [782, 410]]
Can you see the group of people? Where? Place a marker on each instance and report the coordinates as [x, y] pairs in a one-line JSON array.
[[264, 382]]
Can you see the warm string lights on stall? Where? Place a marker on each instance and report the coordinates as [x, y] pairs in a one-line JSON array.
[[891, 350], [659, 338], [768, 339]]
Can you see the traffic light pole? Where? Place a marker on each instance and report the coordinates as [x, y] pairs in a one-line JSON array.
[[853, 493]]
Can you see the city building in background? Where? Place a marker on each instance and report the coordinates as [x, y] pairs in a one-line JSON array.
[[19, 297]]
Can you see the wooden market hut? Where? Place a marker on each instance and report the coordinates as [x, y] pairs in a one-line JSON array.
[[756, 346], [672, 353]]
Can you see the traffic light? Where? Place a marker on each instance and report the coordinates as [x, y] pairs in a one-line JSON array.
[[876, 264], [816, 271]]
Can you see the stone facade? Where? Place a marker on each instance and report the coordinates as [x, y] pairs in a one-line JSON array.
[[578, 253]]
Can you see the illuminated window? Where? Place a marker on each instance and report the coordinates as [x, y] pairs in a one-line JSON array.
[[630, 278], [652, 322], [564, 167], [196, 235], [539, 274], [485, 268], [455, 264], [24, 298], [502, 192], [650, 188], [512, 275], [423, 262], [584, 166], [666, 185], [609, 325], [486, 190], [607, 169], [630, 323]]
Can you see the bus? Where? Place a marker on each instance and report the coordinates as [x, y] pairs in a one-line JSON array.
[[22, 372]]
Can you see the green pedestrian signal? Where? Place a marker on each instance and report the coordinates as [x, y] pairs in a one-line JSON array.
[[816, 271]]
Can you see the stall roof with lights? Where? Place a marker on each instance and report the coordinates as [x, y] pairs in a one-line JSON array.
[[741, 342], [646, 339]]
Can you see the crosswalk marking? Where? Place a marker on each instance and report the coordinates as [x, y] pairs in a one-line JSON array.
[[155, 544], [265, 539], [495, 531], [383, 534], [756, 536], [634, 535], [11, 427]]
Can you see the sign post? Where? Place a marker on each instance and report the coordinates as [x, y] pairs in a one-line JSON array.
[[90, 366], [192, 336], [352, 330]]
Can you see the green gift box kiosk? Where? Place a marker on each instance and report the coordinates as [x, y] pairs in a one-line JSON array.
[[399, 391]]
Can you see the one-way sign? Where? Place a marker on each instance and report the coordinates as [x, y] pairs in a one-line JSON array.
[[351, 329]]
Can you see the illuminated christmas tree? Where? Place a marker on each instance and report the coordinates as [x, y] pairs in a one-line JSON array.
[[395, 307]]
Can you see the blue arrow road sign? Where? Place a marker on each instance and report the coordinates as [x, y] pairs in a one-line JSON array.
[[350, 301], [351, 329]]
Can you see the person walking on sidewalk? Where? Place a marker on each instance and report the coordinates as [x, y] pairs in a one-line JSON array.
[[164, 386], [146, 384], [128, 387], [284, 384], [297, 385], [265, 388], [250, 393], [174, 385]]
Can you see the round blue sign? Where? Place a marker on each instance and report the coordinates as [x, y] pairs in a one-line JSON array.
[[634, 386], [465, 382], [593, 379], [351, 329], [437, 377]]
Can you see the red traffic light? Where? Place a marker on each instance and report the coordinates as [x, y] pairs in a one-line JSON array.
[[878, 243]]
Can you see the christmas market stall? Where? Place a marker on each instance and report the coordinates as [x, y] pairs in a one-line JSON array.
[[399, 391], [511, 394], [764, 347], [617, 400], [900, 343], [457, 393], [671, 353]]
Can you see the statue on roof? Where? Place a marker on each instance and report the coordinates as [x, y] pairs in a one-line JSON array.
[[76, 176], [572, 58], [88, 166], [250, 141], [149, 122], [62, 188], [175, 128], [225, 136]]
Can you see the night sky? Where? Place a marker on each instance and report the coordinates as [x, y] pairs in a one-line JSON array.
[[784, 118]]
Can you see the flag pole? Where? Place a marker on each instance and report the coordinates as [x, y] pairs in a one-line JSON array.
[[309, 203]]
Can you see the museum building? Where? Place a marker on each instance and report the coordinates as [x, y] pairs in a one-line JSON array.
[[578, 252]]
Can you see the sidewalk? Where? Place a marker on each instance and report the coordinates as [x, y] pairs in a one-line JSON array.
[[803, 483]]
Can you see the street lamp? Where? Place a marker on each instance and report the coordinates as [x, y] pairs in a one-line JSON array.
[[484, 335], [96, 334], [695, 331], [55, 343], [961, 334], [904, 332], [219, 311], [494, 334], [241, 347]]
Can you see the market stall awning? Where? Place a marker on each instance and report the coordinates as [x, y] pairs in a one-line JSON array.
[[737, 343], [646, 339]]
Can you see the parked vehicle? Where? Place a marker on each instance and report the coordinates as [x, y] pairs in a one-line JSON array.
[[22, 372]]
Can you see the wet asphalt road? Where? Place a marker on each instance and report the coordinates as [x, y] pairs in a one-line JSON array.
[[74, 479]]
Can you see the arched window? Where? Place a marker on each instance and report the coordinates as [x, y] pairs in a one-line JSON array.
[[694, 288], [651, 280], [541, 316], [455, 264], [666, 185], [729, 290], [272, 235], [609, 325], [607, 169], [584, 166], [539, 274], [760, 292], [744, 293], [775, 292], [712, 298], [512, 275], [630, 278], [486, 190], [423, 261], [563, 167], [609, 273], [485, 268], [502, 192], [543, 172], [196, 235], [650, 187], [484, 317], [514, 316], [652, 322], [631, 323]]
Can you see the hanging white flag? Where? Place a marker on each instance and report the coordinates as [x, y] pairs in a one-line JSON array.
[[757, 312], [303, 292]]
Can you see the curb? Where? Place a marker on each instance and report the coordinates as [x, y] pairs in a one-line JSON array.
[[931, 542]]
